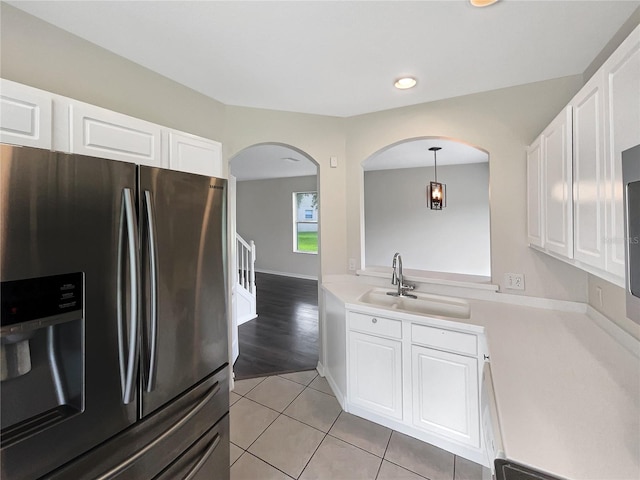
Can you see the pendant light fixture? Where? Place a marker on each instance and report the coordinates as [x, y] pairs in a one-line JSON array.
[[436, 192], [482, 3]]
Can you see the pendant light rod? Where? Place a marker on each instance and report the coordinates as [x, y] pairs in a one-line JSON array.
[[435, 162]]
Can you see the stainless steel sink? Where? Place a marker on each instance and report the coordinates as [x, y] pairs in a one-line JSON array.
[[425, 304]]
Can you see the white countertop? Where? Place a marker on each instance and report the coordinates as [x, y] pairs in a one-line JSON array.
[[567, 392]]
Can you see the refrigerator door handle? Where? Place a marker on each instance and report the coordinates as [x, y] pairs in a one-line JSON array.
[[153, 274], [128, 369], [164, 436], [203, 459]]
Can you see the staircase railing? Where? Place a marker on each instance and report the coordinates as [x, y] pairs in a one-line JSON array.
[[246, 262]]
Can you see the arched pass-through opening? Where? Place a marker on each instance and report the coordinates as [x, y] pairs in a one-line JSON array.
[[454, 242], [274, 203]]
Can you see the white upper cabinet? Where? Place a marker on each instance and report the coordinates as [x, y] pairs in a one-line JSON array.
[[557, 181], [35, 118], [192, 154], [588, 173], [585, 159], [534, 194], [99, 132], [25, 115], [622, 112]]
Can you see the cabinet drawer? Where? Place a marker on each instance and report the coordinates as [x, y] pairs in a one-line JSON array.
[[444, 339], [376, 325]]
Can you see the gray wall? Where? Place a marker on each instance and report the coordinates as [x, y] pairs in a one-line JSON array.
[[397, 219], [264, 214]]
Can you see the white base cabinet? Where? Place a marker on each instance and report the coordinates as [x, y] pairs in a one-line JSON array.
[[417, 377], [375, 373], [445, 394]]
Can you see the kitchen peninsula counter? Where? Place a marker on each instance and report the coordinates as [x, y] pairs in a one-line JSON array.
[[567, 391]]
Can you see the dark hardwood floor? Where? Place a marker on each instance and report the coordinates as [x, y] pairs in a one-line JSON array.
[[284, 337]]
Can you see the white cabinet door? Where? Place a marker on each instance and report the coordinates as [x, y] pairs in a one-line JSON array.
[[192, 154], [445, 394], [588, 173], [99, 132], [557, 180], [534, 193], [622, 109], [25, 115], [375, 374]]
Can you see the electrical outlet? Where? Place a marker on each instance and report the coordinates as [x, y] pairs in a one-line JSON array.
[[352, 264], [514, 281]]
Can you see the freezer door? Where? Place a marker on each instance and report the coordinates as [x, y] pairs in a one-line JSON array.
[[206, 459], [60, 217], [183, 262], [162, 441]]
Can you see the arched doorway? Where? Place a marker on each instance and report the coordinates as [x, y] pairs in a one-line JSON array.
[[274, 206]]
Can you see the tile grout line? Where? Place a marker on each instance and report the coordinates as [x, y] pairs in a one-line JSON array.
[[397, 464], [384, 454], [264, 461], [325, 434], [321, 442], [311, 426], [274, 420]]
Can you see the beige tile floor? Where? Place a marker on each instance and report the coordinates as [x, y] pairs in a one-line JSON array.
[[291, 426]]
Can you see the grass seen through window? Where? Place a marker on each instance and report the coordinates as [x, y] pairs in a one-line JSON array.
[[307, 241]]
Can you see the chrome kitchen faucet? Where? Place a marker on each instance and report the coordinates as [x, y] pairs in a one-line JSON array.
[[397, 278]]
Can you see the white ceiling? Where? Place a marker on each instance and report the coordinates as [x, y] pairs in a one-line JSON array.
[[270, 161], [340, 58]]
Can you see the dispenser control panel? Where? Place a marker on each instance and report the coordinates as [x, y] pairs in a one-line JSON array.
[[36, 299]]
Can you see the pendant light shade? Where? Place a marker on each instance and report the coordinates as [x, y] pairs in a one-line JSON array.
[[436, 191]]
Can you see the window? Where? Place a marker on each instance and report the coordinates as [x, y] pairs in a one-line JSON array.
[[305, 222]]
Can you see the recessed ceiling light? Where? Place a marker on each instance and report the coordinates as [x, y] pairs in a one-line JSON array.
[[405, 83], [482, 3]]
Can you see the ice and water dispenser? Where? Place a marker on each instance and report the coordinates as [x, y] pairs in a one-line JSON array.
[[41, 353]]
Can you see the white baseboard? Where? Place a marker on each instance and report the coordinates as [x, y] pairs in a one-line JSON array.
[[336, 391], [288, 274]]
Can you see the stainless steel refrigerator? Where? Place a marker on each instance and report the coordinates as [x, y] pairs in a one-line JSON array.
[[113, 329]]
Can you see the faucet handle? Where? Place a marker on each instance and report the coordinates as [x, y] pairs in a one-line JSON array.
[[408, 286]]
